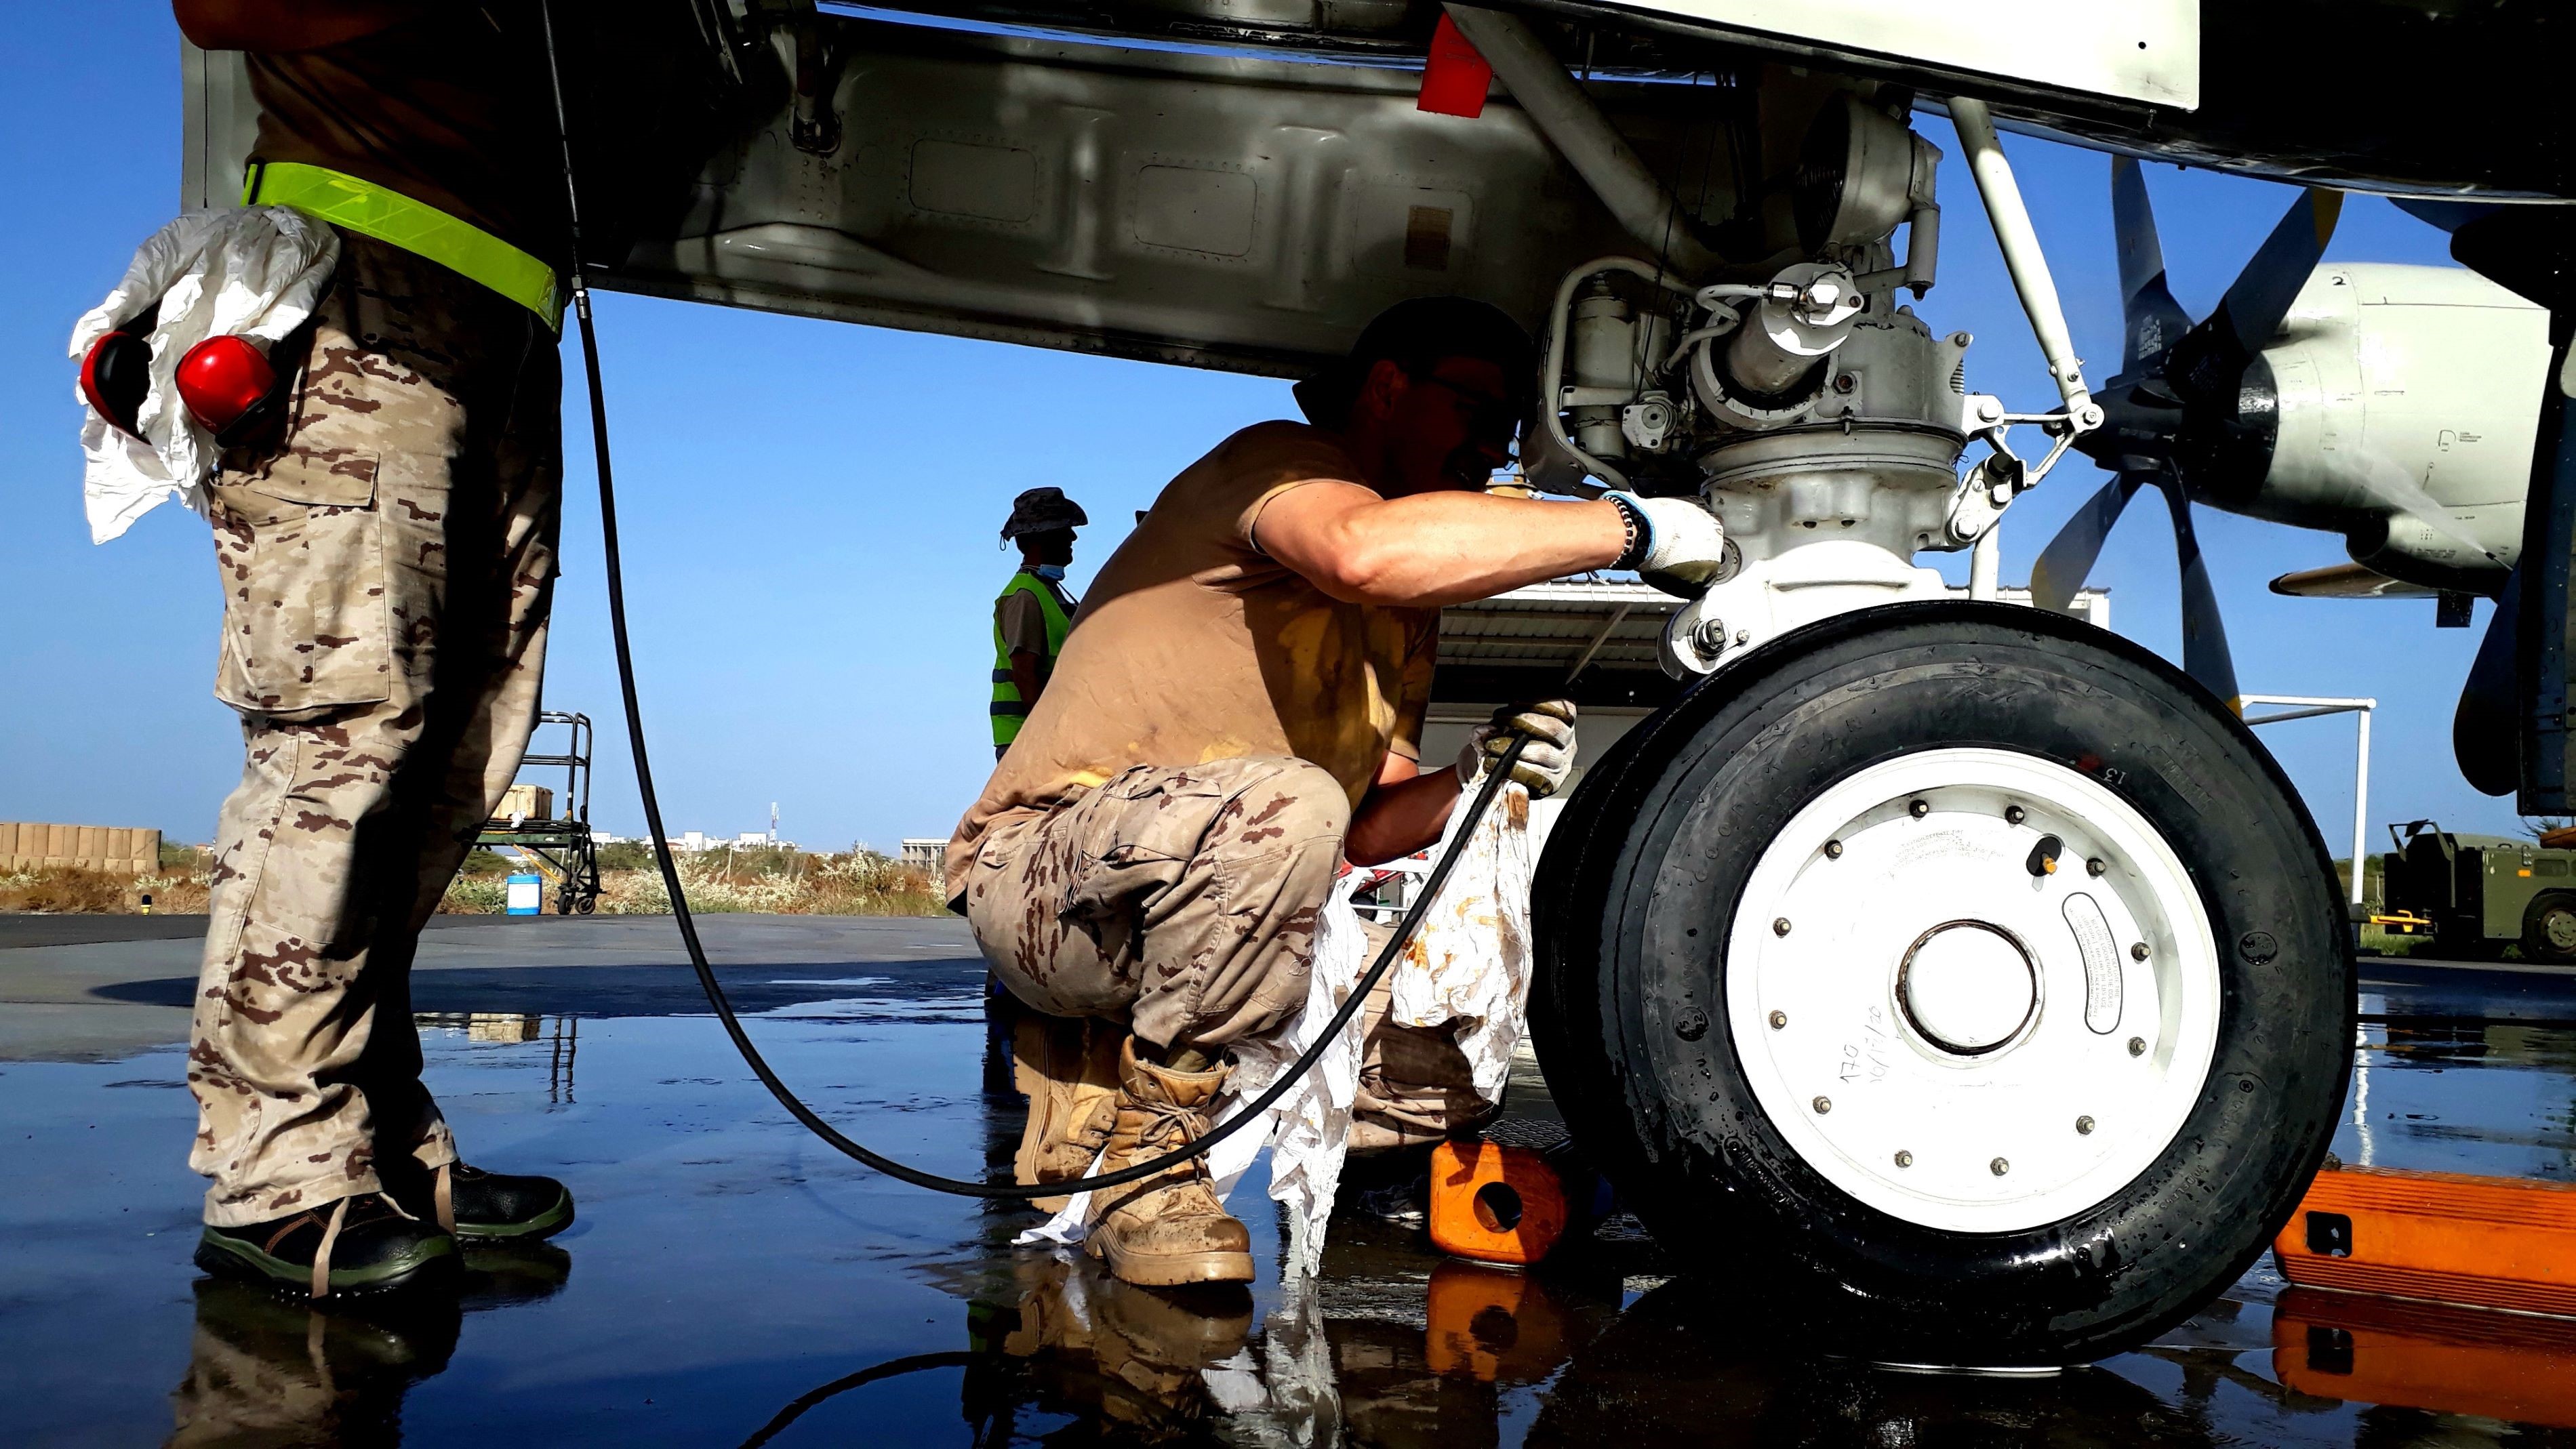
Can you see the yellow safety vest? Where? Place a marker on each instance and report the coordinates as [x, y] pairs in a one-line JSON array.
[[415, 226], [1009, 710]]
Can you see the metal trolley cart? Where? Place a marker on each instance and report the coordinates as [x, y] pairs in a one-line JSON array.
[[562, 848]]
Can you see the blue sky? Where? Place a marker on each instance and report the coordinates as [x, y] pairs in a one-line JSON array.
[[810, 507]]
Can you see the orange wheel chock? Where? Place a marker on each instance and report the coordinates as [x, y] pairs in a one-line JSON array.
[[1495, 1204], [2484, 1242]]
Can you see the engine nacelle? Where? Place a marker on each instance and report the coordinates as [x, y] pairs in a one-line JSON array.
[[2400, 404]]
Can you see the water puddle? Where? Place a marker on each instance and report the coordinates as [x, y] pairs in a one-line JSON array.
[[732, 1281]]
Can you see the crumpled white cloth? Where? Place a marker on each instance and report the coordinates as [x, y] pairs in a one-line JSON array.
[[1474, 957], [1470, 962], [252, 272]]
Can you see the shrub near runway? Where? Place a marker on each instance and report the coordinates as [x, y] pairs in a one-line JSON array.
[[856, 882]]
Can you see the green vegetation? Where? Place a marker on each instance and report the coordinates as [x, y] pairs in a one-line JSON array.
[[775, 879], [483, 861], [855, 882]]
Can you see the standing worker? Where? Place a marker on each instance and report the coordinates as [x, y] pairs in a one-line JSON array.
[[1034, 613], [1242, 710], [387, 552]]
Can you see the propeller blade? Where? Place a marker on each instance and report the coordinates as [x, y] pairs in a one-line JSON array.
[[2154, 319], [2061, 566], [2204, 636], [2485, 737], [2262, 293]]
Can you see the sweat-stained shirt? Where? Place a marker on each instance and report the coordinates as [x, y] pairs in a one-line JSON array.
[[1193, 645], [453, 108]]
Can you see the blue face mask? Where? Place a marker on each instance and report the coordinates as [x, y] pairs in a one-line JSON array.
[[1054, 573]]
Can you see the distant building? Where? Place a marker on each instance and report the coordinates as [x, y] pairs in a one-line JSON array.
[[927, 855]]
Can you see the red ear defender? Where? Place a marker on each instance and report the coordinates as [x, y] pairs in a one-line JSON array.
[[117, 371], [227, 385]]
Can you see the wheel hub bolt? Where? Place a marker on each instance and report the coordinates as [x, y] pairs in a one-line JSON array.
[[1904, 1159], [1779, 1019], [1999, 1167], [2013, 815], [2084, 1126], [1780, 927], [2096, 866], [2139, 952], [1919, 808], [1833, 850], [1824, 1105], [2137, 1046]]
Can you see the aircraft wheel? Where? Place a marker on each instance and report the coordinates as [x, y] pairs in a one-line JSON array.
[[2549, 928], [1963, 971]]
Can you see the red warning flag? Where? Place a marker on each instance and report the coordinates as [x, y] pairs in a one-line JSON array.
[[1455, 79]]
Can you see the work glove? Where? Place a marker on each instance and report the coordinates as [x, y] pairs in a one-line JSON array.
[[1678, 544], [1544, 762]]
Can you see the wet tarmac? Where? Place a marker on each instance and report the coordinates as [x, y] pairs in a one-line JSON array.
[[733, 1281]]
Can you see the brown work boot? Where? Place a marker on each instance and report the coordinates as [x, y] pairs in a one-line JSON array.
[[1068, 1069], [1168, 1229]]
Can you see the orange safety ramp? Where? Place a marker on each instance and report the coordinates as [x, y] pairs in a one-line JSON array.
[[2486, 1242]]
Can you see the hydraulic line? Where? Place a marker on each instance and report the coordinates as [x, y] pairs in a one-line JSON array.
[[1496, 776]]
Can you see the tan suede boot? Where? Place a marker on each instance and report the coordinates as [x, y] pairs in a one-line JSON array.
[[1169, 1229], [1068, 1069]]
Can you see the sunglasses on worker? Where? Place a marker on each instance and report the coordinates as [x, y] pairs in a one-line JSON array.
[[1488, 416]]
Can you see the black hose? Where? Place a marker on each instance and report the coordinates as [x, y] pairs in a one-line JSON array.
[[1494, 779], [892, 1368]]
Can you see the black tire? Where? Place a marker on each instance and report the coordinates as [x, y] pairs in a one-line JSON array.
[[588, 903], [1637, 893], [2549, 928]]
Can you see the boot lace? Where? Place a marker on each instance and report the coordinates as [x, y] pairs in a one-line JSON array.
[[1169, 1126]]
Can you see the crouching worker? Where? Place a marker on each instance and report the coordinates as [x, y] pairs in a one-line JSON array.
[[1237, 710], [387, 552]]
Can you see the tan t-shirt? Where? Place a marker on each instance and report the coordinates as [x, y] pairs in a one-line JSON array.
[[1193, 645], [450, 109]]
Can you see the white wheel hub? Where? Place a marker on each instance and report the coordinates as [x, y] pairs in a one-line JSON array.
[[1967, 987], [1973, 989]]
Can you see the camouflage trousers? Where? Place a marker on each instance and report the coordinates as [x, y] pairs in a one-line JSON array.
[[387, 562], [1181, 900]]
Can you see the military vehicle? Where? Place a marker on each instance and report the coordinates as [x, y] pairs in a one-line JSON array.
[[2477, 894]]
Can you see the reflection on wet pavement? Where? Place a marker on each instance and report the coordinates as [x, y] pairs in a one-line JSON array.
[[739, 1283]]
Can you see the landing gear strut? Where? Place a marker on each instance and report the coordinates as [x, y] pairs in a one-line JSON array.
[[1965, 972]]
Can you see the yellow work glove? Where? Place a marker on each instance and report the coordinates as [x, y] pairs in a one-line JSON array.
[[1543, 765]]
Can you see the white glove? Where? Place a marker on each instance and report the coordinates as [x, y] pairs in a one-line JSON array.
[[1679, 543], [1544, 762]]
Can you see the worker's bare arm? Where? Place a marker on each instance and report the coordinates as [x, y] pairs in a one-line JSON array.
[[1403, 811], [285, 25], [1029, 674], [1431, 549]]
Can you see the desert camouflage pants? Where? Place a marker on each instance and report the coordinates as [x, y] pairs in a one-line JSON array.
[[1182, 900], [387, 563]]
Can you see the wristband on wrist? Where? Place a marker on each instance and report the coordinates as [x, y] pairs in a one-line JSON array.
[[1641, 534]]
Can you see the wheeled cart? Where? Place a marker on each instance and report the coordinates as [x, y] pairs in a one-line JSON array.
[[559, 843]]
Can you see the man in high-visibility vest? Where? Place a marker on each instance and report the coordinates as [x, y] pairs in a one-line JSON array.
[[387, 551], [1034, 613]]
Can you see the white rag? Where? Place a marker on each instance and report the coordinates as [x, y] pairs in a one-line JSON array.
[[1469, 963], [251, 272]]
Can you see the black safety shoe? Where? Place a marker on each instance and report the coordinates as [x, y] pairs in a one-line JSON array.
[[487, 1205], [376, 1249]]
